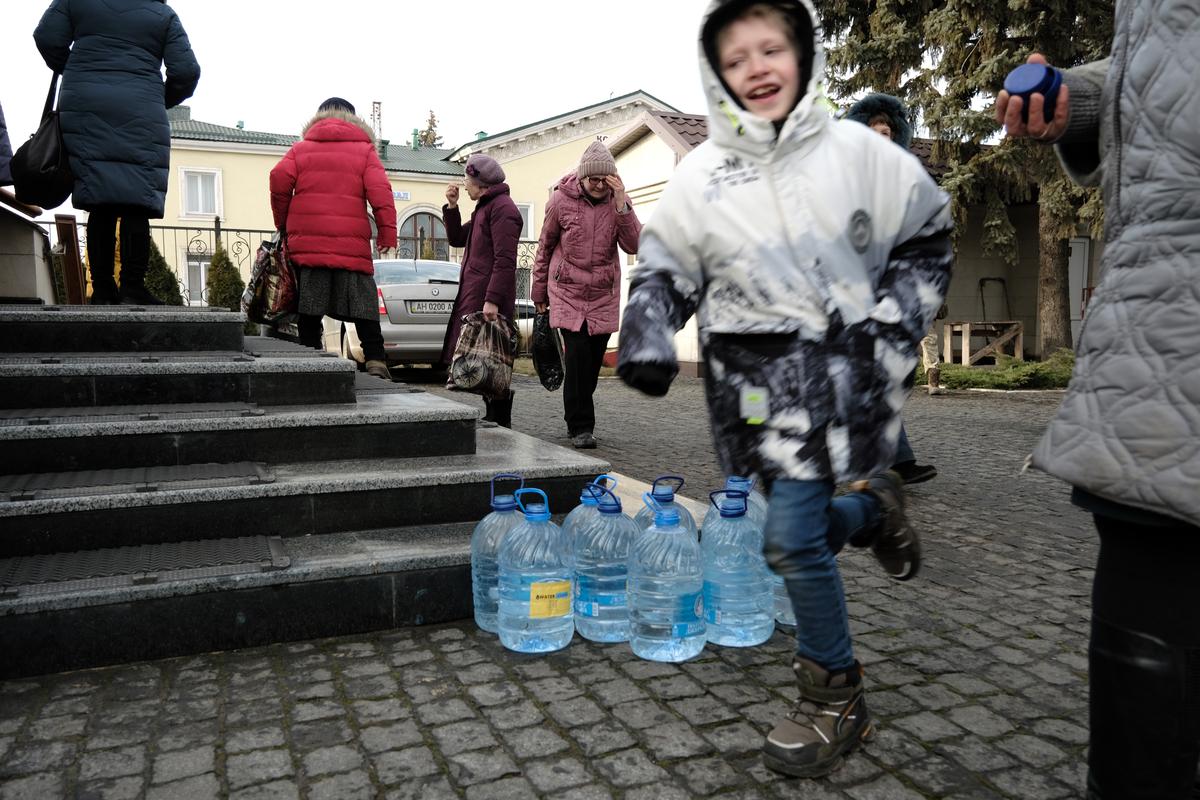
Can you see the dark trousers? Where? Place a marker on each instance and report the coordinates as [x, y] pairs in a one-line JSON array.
[[1144, 663], [102, 242], [369, 333], [582, 361]]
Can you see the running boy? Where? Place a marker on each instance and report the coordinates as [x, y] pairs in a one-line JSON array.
[[815, 254]]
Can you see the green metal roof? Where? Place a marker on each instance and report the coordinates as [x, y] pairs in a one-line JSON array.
[[400, 157]]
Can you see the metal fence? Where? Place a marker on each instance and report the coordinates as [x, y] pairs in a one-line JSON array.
[[189, 250]]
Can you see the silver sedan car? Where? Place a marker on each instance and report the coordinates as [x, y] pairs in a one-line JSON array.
[[416, 299]]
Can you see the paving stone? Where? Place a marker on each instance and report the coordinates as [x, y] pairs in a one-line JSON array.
[[396, 736], [575, 712], [856, 768], [536, 742], [658, 791], [883, 788], [32, 787], [928, 726], [674, 740], [644, 670], [740, 694], [496, 694], [429, 788], [373, 687], [321, 733], [612, 693], [169, 767], [259, 738], [892, 748], [275, 790], [976, 755], [1061, 730], [257, 766], [197, 787], [591, 792], [480, 673], [934, 697], [506, 789], [395, 766], [552, 776], [316, 709], [369, 712], [1032, 751], [129, 788], [939, 776], [459, 737], [967, 684], [443, 711], [713, 672], [107, 738], [979, 720], [330, 760], [550, 690], [706, 776], [603, 738], [103, 764], [891, 703], [628, 768], [674, 688], [348, 786], [50, 728], [480, 766], [1030, 785], [703, 710], [509, 717]]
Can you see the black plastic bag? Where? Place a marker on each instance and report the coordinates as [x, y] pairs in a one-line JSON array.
[[547, 354]]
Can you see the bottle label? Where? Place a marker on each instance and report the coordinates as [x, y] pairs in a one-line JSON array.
[[690, 620], [549, 599], [589, 601]]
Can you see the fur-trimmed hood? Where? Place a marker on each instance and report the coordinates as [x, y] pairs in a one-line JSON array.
[[891, 107], [335, 114]]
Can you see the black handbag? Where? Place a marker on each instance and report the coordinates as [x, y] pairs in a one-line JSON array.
[[40, 171]]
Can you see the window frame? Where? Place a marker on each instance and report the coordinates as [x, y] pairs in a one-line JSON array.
[[527, 229], [218, 190]]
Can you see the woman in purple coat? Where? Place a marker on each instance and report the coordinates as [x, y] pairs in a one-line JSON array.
[[488, 280]]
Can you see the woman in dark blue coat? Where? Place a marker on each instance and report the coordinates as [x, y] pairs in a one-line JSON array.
[[113, 105]]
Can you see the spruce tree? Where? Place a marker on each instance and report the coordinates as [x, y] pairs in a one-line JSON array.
[[947, 60], [224, 286], [429, 137], [161, 280]]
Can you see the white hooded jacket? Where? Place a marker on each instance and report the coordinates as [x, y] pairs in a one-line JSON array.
[[815, 259]]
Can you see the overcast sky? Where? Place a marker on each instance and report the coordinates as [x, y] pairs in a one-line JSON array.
[[490, 66]]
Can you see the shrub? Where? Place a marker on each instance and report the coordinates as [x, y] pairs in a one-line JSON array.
[[1053, 372], [224, 288], [161, 280]]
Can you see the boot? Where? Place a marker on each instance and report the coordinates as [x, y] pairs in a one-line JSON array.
[[896, 545], [500, 411], [912, 472], [133, 289], [934, 376], [1143, 702], [379, 369], [104, 291], [829, 720]]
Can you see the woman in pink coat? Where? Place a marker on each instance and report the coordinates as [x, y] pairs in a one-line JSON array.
[[577, 275]]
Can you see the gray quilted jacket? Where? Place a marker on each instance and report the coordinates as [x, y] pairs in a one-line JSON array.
[[1129, 428]]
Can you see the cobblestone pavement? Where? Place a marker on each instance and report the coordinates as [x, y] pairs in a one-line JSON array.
[[976, 670]]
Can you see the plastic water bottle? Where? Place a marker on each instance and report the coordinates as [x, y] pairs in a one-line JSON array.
[[601, 570], [739, 603], [485, 545], [784, 614], [587, 504], [663, 493], [666, 590], [536, 568]]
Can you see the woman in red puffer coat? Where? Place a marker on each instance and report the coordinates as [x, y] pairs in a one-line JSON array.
[[577, 274], [319, 196]]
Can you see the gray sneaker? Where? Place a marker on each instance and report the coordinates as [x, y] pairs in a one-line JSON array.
[[829, 721]]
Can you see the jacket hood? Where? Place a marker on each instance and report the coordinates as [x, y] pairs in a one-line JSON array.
[[892, 107], [570, 186], [732, 126], [331, 132]]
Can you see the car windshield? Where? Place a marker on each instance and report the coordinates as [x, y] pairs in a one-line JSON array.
[[408, 272]]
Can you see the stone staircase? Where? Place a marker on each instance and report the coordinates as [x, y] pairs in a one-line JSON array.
[[168, 487]]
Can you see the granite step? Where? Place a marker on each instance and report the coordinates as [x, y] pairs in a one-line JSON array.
[[55, 329], [72, 379], [381, 424], [302, 499], [288, 589]]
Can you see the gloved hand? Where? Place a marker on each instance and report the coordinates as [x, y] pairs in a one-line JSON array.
[[648, 378]]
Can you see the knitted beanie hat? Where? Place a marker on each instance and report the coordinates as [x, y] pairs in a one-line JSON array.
[[597, 160], [484, 169]]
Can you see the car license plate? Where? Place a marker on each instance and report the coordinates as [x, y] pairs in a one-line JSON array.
[[430, 306]]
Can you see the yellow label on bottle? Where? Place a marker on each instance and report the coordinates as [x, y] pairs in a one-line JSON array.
[[549, 599]]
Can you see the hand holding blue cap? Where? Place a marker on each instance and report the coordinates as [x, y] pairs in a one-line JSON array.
[[1029, 79]]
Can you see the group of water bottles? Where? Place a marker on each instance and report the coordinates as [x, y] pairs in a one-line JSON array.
[[651, 580]]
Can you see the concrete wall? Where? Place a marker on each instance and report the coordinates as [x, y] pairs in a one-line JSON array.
[[24, 269]]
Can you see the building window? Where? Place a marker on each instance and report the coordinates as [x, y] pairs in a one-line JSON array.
[[526, 210], [201, 192], [197, 279], [423, 235]]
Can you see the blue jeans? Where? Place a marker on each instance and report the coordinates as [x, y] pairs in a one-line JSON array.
[[806, 529], [904, 451]]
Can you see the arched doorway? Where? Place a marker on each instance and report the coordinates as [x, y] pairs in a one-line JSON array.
[[423, 235]]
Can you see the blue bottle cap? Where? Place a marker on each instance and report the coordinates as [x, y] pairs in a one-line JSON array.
[[666, 518], [1029, 79], [504, 502], [663, 491], [536, 512], [734, 502], [610, 505], [587, 497]]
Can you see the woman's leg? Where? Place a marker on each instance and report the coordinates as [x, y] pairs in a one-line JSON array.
[[577, 368], [370, 333], [1144, 662], [597, 346], [101, 246], [310, 330], [135, 258]]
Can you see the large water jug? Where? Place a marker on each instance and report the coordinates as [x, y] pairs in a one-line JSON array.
[[485, 546], [739, 603], [666, 589], [601, 570], [784, 614], [587, 504], [663, 491], [536, 568]]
